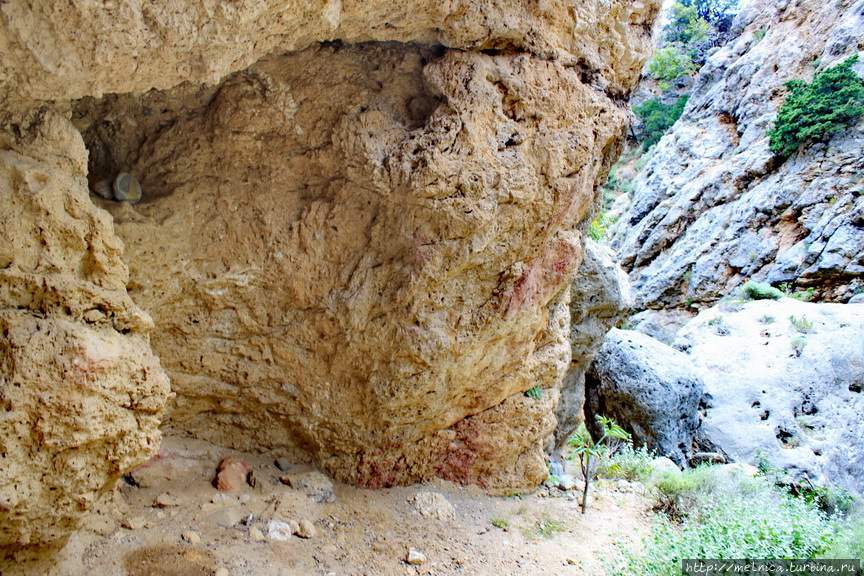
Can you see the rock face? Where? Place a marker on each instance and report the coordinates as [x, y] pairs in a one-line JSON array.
[[359, 249], [599, 298], [784, 377], [712, 207], [80, 391], [118, 48], [651, 390], [311, 237]]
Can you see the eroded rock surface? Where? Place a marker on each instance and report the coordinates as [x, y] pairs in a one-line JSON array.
[[650, 389], [132, 47], [784, 378], [80, 391], [351, 263], [599, 298], [712, 207], [360, 249]]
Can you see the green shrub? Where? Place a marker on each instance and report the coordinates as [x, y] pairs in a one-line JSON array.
[[849, 542], [759, 291], [658, 118], [714, 11], [599, 228], [815, 111], [830, 499], [735, 517], [805, 296], [798, 345], [627, 463], [670, 63]]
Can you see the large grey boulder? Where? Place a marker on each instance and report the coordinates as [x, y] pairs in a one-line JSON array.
[[599, 298], [649, 388], [784, 378]]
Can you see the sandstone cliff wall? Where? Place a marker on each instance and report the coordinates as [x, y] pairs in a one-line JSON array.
[[359, 250], [713, 207]]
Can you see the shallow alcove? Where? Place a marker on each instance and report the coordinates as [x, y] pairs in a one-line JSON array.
[[349, 250]]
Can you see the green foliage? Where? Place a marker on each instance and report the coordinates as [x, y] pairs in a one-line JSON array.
[[670, 63], [802, 324], [830, 499], [536, 393], [627, 463], [815, 111], [759, 291], [600, 227], [499, 522], [729, 517], [685, 26], [760, 34], [675, 493], [849, 542], [805, 296], [767, 319], [585, 448], [716, 12], [658, 118], [546, 527]]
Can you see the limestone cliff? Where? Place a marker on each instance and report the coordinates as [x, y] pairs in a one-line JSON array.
[[713, 207], [359, 226]]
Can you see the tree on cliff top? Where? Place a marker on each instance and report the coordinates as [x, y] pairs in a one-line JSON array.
[[815, 111]]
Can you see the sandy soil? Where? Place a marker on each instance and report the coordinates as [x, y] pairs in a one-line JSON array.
[[177, 524]]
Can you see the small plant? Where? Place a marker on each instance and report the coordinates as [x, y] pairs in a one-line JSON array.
[[798, 345], [805, 296], [627, 463], [546, 527], [658, 118], [676, 493], [600, 227], [500, 522], [767, 319], [803, 325], [586, 449], [535, 393], [758, 35], [815, 111], [719, 325], [759, 291]]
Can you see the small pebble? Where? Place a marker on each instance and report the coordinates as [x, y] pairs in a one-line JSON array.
[[433, 505], [305, 529], [415, 558], [222, 572], [167, 500], [283, 464], [256, 535], [566, 482], [279, 530], [191, 537], [135, 523]]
